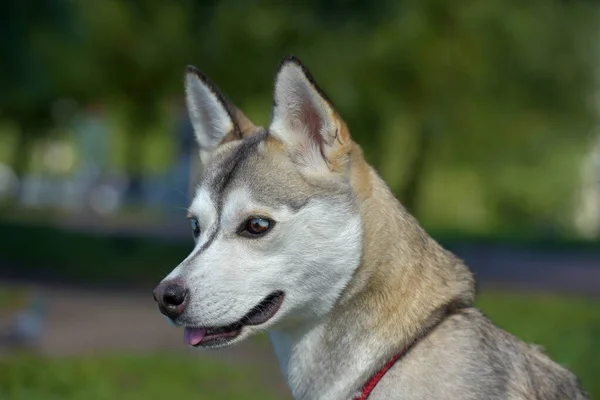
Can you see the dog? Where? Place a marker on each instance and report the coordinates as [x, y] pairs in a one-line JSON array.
[[296, 234]]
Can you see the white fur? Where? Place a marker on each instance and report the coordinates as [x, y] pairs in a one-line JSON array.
[[313, 372], [310, 255], [294, 94], [208, 115], [206, 214]]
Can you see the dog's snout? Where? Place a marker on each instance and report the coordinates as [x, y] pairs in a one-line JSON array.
[[171, 298], [174, 295]]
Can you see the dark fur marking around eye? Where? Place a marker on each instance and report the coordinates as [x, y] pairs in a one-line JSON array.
[[220, 183]]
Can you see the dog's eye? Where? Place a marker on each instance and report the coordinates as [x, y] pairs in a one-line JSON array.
[[256, 226], [195, 227]]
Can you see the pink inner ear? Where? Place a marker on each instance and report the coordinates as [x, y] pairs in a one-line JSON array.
[[311, 119]]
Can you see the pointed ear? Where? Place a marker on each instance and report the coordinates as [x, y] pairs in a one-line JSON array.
[[215, 120], [305, 121]]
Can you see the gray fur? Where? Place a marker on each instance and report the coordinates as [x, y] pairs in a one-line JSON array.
[[467, 357], [364, 280]]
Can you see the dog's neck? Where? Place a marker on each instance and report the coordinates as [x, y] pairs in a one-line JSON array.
[[404, 285]]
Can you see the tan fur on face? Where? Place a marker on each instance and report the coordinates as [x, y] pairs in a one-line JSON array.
[[247, 127], [337, 154], [405, 277], [243, 127], [423, 276]]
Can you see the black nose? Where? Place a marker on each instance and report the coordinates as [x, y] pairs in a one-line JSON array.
[[174, 295], [171, 298]]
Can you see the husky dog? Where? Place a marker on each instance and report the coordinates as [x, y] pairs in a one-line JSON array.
[[297, 235]]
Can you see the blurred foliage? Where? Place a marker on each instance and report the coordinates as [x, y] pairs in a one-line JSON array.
[[476, 113], [26, 83]]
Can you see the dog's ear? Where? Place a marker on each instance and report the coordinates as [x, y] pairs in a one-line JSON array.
[[214, 118], [305, 121]]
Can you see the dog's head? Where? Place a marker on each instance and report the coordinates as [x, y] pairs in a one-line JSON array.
[[275, 218]]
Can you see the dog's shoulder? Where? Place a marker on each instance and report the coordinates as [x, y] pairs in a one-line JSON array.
[[466, 356], [457, 359], [551, 380]]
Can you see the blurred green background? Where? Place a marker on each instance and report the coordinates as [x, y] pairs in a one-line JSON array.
[[481, 116]]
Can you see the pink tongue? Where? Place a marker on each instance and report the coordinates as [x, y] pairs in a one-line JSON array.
[[193, 336]]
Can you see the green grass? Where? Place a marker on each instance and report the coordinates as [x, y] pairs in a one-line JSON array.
[[127, 377]]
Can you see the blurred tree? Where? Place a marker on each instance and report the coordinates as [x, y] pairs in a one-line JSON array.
[[498, 89], [469, 110], [497, 85], [26, 81], [139, 49]]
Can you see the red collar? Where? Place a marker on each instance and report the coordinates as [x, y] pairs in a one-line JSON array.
[[369, 386]]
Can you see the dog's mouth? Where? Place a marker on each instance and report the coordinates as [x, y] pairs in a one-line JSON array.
[[219, 335]]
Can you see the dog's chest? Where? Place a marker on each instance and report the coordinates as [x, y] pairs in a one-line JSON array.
[[314, 370]]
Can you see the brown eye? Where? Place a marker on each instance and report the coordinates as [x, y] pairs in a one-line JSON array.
[[256, 227]]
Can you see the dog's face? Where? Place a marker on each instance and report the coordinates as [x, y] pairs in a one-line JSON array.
[[277, 230]]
